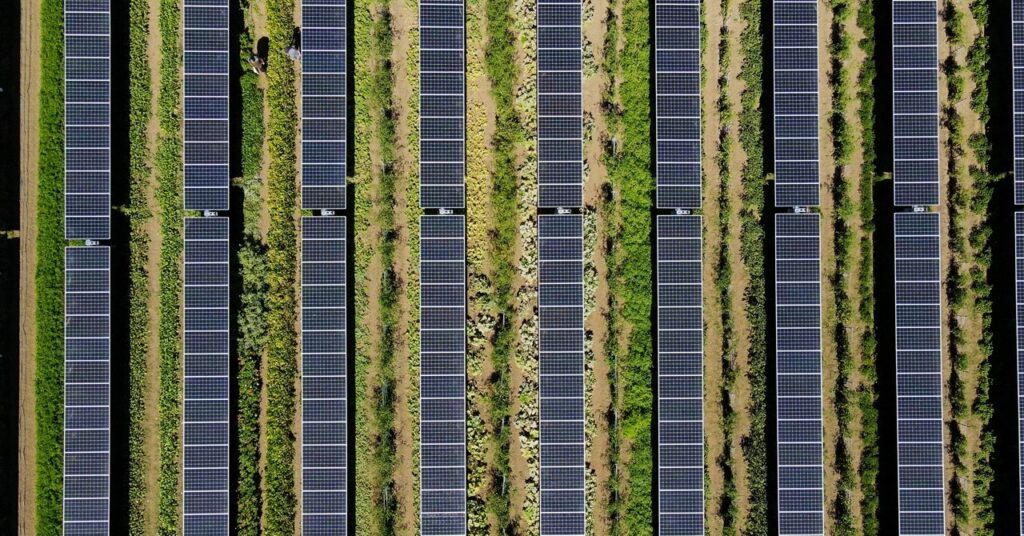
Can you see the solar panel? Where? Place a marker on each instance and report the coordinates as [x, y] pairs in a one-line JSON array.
[[1017, 14], [677, 102], [680, 377], [87, 119], [915, 87], [562, 442], [207, 61], [1019, 271], [919, 373], [795, 52], [324, 377], [443, 375], [86, 390], [324, 104], [798, 374], [207, 386], [442, 103], [559, 103]]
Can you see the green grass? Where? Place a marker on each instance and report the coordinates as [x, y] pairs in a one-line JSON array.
[[140, 91], [50, 274]]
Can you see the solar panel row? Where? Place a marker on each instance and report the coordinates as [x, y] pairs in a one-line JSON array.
[[915, 88], [207, 428], [443, 375], [442, 103], [560, 103], [1019, 278], [677, 103], [795, 49], [798, 374], [680, 367], [324, 103], [562, 442], [325, 419], [87, 390], [1017, 32], [919, 373], [87, 119], [207, 61]]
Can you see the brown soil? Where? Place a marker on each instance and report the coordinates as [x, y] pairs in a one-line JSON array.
[[30, 52], [257, 19]]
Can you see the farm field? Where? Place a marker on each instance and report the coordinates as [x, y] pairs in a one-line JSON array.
[[511, 367]]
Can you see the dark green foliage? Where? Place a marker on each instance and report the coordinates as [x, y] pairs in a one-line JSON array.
[[50, 274]]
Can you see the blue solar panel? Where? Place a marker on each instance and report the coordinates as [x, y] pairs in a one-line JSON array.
[[795, 50], [559, 103], [325, 419], [324, 104], [680, 377], [915, 87], [443, 375], [677, 106], [919, 378], [562, 442], [1017, 13], [86, 390], [442, 103], [798, 374], [207, 61], [207, 413], [1019, 277], [87, 119]]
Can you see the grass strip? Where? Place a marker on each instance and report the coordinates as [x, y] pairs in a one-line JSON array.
[[282, 365], [49, 276], [751, 133], [139, 214], [169, 193]]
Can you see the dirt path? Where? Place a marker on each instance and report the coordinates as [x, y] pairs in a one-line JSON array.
[[404, 24], [30, 53]]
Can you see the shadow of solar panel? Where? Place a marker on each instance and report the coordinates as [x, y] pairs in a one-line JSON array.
[[798, 373], [87, 120], [677, 109], [680, 348], [87, 390], [1019, 277], [559, 101], [919, 373], [206, 64], [442, 375], [324, 104], [795, 46], [207, 387], [560, 308], [325, 419], [915, 103]]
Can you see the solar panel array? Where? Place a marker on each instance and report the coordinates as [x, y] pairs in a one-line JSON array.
[[324, 104], [207, 61], [560, 103], [87, 119], [798, 374], [562, 443], [325, 422], [87, 390], [1019, 278], [919, 373], [677, 105], [442, 103], [1017, 14], [443, 375], [680, 367], [207, 386], [915, 88], [795, 49]]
